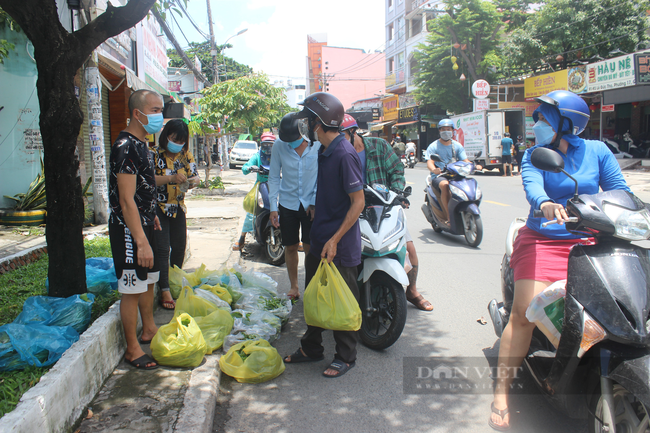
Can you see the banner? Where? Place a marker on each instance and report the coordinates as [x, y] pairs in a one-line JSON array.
[[390, 107], [611, 74], [528, 106], [577, 80], [543, 84], [642, 66]]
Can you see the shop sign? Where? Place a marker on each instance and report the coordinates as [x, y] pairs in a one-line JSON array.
[[174, 86], [391, 107], [607, 108], [409, 115], [642, 67], [611, 74], [154, 53], [481, 89], [577, 79], [375, 114], [543, 84], [481, 104], [528, 106]]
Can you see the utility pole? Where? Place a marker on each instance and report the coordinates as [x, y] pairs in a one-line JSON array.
[[213, 47]]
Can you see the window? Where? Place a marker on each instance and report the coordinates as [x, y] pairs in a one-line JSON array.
[[400, 61], [400, 28], [416, 26], [390, 66], [390, 5], [390, 33]]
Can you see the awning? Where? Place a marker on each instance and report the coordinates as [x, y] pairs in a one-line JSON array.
[[408, 123], [132, 80], [380, 126]]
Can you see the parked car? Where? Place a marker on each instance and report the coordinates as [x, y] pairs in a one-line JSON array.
[[241, 152]]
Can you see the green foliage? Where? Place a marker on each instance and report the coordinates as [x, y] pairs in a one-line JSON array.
[[34, 198], [6, 46], [575, 30], [514, 12], [475, 24], [18, 285], [228, 68], [244, 102], [215, 183]]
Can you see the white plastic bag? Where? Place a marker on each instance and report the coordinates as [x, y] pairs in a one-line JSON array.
[[209, 296], [546, 310]]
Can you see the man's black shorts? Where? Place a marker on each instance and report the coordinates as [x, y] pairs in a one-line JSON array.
[[131, 278], [506, 159], [291, 222]]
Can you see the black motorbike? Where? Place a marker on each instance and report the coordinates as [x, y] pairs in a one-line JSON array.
[[265, 234], [600, 369]]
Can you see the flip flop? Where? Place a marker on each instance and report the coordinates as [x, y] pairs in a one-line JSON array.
[[300, 248], [298, 356], [141, 341], [172, 303], [502, 414], [294, 297], [142, 362], [339, 366], [236, 247], [420, 303]]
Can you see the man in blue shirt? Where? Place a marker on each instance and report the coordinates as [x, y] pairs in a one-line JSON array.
[[449, 151], [506, 153], [297, 163], [335, 234]]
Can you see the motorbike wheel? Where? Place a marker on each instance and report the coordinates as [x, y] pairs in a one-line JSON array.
[[434, 226], [507, 284], [630, 413], [473, 229], [274, 253], [383, 328]]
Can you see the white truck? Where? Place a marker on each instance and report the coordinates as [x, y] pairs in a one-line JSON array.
[[483, 131]]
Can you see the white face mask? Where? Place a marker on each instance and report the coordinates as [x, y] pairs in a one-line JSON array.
[[446, 135], [316, 134]]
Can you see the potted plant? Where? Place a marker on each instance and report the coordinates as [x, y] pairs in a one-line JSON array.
[[30, 207]]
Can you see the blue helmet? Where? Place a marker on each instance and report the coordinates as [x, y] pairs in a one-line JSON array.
[[570, 106], [446, 122]]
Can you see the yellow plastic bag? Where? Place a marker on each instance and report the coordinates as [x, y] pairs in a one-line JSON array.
[[176, 276], [252, 361], [214, 327], [220, 291], [180, 343], [329, 303], [251, 199], [193, 305]]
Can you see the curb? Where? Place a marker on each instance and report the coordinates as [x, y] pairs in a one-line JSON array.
[[15, 261], [57, 402]]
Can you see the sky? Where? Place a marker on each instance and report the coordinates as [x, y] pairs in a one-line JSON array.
[[276, 39]]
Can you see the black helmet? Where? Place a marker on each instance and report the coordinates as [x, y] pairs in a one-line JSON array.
[[289, 131], [326, 107], [507, 134]]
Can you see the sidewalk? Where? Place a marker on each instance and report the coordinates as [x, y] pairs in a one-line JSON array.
[[130, 400]]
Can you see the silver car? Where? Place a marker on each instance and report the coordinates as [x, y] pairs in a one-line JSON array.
[[242, 152]]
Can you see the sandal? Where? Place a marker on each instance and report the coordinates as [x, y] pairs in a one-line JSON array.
[[142, 362], [298, 356], [167, 305], [502, 414], [293, 298], [339, 366], [420, 303], [300, 248], [237, 247]]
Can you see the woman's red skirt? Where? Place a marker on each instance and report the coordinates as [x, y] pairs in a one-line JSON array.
[[536, 257]]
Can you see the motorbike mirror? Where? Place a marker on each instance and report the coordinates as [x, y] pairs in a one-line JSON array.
[[478, 155], [547, 160], [408, 190], [436, 158]]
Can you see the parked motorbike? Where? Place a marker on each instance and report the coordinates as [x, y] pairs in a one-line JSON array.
[[265, 234], [404, 160], [615, 147], [382, 274], [465, 217], [215, 158], [601, 367]]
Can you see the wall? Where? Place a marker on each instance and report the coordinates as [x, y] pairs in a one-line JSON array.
[[357, 75], [20, 153]]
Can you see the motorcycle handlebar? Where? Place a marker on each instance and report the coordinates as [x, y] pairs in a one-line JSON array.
[[568, 220], [537, 213]]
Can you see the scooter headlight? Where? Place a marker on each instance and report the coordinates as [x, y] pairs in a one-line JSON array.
[[398, 227], [592, 334], [458, 192], [260, 200], [479, 193], [365, 238], [388, 249], [464, 169], [629, 225]]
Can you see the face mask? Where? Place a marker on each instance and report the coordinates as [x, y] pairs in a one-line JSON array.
[[295, 144], [446, 135], [543, 132], [316, 134], [155, 122], [174, 147]]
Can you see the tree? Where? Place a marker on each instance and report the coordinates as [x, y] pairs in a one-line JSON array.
[[231, 69], [6, 46], [249, 102], [59, 55], [574, 31], [474, 25]]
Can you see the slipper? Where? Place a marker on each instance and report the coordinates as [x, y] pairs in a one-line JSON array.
[[420, 303], [144, 342], [502, 414], [298, 356], [237, 247], [142, 362], [300, 248], [339, 366], [293, 297], [163, 303]]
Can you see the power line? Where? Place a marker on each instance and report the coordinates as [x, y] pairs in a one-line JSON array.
[[189, 17]]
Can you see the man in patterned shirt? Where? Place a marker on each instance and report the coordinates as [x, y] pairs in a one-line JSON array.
[[379, 164], [132, 198]]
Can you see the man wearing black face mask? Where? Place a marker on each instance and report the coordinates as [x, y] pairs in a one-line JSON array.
[[335, 233]]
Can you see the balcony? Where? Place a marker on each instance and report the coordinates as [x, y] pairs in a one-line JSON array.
[[396, 78]]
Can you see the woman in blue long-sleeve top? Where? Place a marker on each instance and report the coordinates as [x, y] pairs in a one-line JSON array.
[[540, 254]]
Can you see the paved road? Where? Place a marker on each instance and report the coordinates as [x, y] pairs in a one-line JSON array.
[[459, 281]]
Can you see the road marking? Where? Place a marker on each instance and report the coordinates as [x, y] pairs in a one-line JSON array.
[[497, 203], [410, 183]]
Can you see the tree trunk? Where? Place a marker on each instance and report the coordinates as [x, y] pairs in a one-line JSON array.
[[59, 55]]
